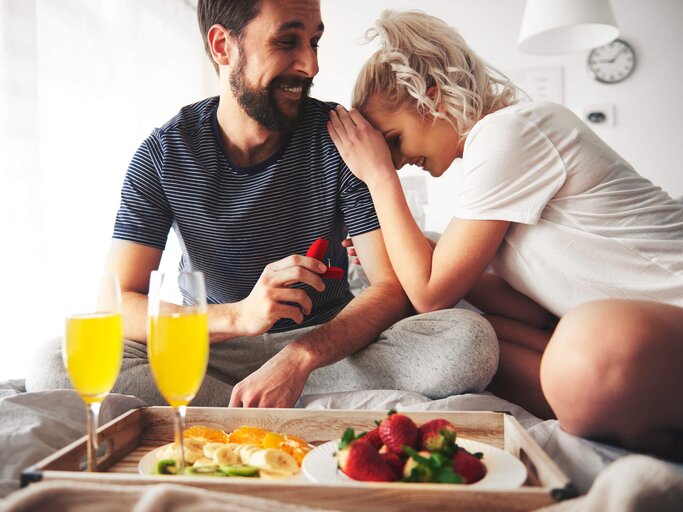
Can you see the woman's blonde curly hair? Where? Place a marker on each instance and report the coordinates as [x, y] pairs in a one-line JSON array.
[[418, 51]]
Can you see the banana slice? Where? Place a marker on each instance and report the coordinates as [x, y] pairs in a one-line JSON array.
[[245, 451], [225, 455], [210, 448], [193, 448], [203, 461], [272, 460]]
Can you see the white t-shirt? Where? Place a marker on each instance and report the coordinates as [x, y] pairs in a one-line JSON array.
[[585, 225]]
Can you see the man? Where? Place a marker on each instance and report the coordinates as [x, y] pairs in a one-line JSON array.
[[248, 181]]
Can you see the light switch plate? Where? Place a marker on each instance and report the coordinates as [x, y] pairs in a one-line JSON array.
[[599, 115]]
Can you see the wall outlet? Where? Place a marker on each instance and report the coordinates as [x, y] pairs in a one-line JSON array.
[[600, 115]]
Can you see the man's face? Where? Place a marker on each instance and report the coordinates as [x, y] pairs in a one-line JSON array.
[[278, 58]]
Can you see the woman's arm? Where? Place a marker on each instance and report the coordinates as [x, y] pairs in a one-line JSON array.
[[432, 278], [438, 278]]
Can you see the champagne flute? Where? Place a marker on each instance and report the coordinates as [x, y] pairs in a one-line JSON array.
[[177, 343], [92, 350]]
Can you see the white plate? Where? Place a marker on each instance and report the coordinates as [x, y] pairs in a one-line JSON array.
[[503, 470], [148, 464]]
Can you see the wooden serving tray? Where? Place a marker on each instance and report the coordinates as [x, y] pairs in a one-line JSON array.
[[126, 439]]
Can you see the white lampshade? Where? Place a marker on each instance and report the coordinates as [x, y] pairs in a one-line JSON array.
[[564, 26]]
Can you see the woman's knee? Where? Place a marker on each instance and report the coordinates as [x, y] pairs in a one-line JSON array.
[[589, 366]]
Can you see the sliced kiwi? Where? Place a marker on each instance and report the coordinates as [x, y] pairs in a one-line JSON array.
[[166, 467], [238, 470]]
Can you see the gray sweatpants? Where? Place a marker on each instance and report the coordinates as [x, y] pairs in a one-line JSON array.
[[437, 354]]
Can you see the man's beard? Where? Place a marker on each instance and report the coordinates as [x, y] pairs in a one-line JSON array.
[[260, 104]]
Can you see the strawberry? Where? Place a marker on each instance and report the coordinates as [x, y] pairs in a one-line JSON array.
[[394, 462], [361, 461], [432, 435], [373, 438], [427, 466], [398, 430], [423, 474], [468, 466]]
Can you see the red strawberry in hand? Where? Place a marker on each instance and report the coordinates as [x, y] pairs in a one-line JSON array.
[[361, 461], [431, 436], [398, 430], [468, 466]]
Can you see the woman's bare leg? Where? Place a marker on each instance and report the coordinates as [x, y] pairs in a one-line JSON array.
[[518, 376], [612, 371], [494, 296], [523, 329]]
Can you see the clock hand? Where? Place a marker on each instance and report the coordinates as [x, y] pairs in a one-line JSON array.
[[623, 49]]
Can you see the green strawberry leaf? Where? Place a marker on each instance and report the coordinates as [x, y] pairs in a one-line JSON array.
[[448, 476], [348, 437], [416, 456]]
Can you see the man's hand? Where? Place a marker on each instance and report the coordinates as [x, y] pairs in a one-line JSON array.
[[273, 298], [278, 383]]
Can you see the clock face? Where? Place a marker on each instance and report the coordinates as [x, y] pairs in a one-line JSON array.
[[612, 62]]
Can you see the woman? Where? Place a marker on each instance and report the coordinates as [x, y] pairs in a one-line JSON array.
[[566, 223]]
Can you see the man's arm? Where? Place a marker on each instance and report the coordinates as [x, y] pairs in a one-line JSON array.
[[133, 264], [270, 300], [280, 381]]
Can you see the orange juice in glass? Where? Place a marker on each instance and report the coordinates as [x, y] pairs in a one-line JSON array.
[[92, 350], [177, 343]]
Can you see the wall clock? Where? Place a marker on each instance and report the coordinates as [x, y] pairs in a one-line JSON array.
[[612, 62]]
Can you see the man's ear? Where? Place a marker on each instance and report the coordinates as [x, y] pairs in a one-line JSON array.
[[220, 44]]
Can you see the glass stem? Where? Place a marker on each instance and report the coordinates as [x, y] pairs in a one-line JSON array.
[[179, 427], [93, 411]]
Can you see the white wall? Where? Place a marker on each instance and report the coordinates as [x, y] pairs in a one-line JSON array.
[[82, 83], [648, 105]]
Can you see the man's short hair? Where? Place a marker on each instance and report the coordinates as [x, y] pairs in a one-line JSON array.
[[234, 15]]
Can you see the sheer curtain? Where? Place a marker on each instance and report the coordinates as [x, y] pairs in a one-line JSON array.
[[82, 83]]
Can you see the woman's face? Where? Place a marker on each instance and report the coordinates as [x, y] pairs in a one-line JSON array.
[[416, 140]]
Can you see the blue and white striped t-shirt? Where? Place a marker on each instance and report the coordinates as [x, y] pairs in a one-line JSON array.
[[232, 221]]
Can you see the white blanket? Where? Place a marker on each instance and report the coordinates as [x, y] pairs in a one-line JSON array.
[[34, 425]]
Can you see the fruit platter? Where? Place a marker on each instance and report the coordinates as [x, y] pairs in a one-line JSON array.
[[398, 450], [250, 452], [343, 459]]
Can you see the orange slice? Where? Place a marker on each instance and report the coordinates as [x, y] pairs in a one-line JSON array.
[[248, 435], [212, 435], [295, 446], [272, 440]]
